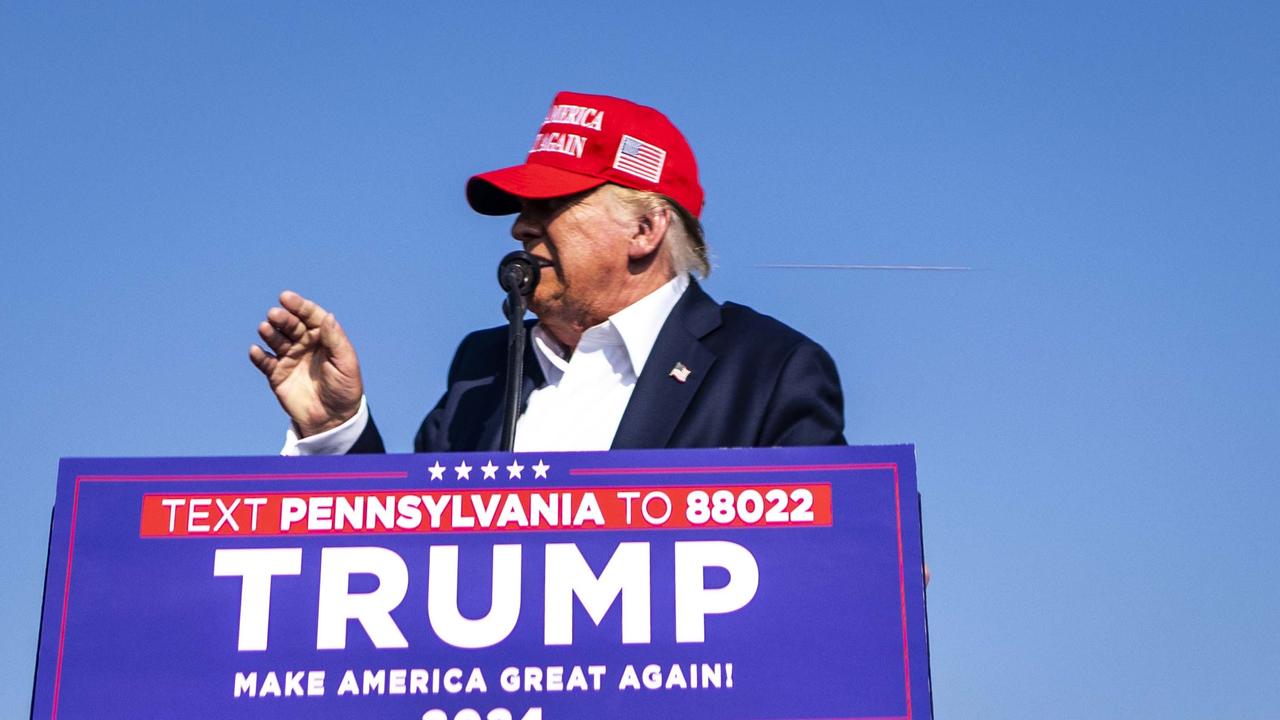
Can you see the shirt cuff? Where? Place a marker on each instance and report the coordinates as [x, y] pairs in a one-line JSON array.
[[336, 441]]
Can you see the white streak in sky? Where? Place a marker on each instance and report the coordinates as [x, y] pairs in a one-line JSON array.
[[829, 266]]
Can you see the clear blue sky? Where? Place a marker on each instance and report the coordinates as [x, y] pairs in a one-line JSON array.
[[1096, 409]]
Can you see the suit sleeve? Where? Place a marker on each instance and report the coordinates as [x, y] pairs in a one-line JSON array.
[[807, 406], [430, 437], [369, 442]]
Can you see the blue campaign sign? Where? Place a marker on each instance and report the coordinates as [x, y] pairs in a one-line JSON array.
[[774, 584]]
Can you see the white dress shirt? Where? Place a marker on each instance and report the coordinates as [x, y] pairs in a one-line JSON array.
[[586, 393]]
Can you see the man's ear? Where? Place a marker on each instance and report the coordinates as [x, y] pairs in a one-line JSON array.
[[649, 232]]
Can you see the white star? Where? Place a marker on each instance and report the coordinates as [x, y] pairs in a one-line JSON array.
[[490, 470], [437, 471], [540, 470], [514, 469], [463, 470]]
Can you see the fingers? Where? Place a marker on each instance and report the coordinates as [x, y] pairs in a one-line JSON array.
[[286, 323], [265, 363], [274, 339], [311, 314], [298, 324]]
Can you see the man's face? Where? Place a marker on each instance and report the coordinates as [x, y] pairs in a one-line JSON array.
[[586, 236]]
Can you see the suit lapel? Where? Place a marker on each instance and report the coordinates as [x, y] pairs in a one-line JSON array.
[[659, 400]]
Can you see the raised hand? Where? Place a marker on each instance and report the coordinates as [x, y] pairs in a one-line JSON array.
[[312, 367]]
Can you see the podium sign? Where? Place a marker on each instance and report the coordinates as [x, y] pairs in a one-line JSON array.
[[753, 583]]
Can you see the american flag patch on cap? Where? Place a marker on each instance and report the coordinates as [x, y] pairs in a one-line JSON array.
[[639, 158]]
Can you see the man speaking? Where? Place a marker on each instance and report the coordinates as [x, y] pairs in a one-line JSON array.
[[628, 351]]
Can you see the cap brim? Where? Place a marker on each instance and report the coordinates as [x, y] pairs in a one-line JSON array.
[[499, 192]]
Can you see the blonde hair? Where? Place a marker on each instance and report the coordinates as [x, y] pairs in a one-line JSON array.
[[686, 247]]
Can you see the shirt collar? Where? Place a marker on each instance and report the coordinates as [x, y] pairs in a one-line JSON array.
[[640, 322], [637, 325]]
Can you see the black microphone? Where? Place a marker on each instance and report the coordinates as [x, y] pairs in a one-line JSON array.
[[518, 275], [519, 272]]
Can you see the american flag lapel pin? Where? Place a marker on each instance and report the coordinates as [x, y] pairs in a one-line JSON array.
[[680, 372]]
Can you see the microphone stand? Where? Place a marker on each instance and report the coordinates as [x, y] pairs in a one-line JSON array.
[[518, 274]]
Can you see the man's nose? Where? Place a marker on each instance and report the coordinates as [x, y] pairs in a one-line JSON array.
[[526, 229]]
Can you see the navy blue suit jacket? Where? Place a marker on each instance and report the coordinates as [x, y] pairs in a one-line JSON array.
[[754, 383]]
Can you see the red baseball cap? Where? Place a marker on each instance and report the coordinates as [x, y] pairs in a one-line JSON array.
[[589, 140]]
